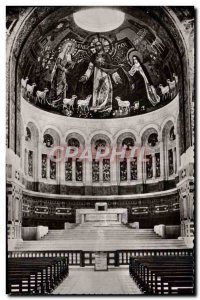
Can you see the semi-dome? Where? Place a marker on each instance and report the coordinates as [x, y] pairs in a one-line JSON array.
[[79, 65]]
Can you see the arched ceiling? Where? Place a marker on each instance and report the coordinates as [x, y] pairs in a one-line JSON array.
[[139, 30], [153, 31]]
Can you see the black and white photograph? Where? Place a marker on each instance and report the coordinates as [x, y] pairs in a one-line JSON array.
[[100, 150]]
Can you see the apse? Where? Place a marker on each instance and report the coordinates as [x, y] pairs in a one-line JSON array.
[[100, 63]]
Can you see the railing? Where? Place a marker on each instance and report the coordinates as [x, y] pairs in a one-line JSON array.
[[87, 258]]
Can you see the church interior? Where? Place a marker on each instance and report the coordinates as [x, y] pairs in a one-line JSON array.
[[100, 150]]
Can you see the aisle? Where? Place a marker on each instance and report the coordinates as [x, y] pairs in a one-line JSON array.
[[87, 281]]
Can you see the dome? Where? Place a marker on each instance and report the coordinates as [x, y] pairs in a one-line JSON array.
[[100, 63]]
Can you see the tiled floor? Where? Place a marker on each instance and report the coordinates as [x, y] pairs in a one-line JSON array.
[[87, 281]]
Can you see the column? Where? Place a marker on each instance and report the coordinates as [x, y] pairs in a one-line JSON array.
[[73, 170], [120, 218], [101, 171], [140, 158], [88, 172], [128, 170], [177, 152], [144, 170], [58, 167], [82, 218], [62, 171], [162, 160], [39, 161], [166, 162], [113, 171]]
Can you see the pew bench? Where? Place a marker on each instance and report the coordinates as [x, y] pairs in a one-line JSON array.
[[163, 275], [35, 275]]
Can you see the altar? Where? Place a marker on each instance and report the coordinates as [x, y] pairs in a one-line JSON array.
[[101, 213]]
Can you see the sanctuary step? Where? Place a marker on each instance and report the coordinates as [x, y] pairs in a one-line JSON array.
[[100, 238]]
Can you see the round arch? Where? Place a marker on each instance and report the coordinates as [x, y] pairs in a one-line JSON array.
[[126, 133], [100, 134]]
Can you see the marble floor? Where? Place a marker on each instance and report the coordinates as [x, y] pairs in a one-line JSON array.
[[86, 281]]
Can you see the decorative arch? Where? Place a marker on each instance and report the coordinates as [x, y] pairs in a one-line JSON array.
[[123, 135], [100, 134], [146, 134], [100, 137], [76, 136], [34, 133], [30, 154], [171, 119], [152, 126], [166, 128], [55, 135]]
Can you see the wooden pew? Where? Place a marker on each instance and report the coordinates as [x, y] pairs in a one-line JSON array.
[[163, 275], [52, 268], [35, 275]]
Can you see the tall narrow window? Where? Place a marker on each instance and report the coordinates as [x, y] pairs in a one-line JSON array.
[[106, 170], [95, 171], [133, 168], [172, 135], [53, 169], [48, 140], [68, 169], [149, 166], [170, 162], [44, 165], [157, 156], [123, 170], [79, 170], [30, 163], [153, 140], [28, 134]]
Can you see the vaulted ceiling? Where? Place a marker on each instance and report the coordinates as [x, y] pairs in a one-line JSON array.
[[143, 29]]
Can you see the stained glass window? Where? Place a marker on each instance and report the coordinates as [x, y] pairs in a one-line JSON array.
[[123, 170], [153, 139], [44, 165], [79, 170], [133, 168], [48, 140], [149, 166], [106, 170], [30, 163], [172, 135], [95, 171], [53, 169], [68, 169], [157, 157], [170, 162], [28, 134], [128, 142]]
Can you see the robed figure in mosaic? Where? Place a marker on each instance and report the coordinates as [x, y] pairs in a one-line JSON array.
[[105, 77]]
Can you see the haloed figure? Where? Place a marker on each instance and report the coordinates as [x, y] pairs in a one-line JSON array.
[[104, 73], [62, 69], [142, 89]]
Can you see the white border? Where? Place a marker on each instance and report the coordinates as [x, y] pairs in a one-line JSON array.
[[3, 102]]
